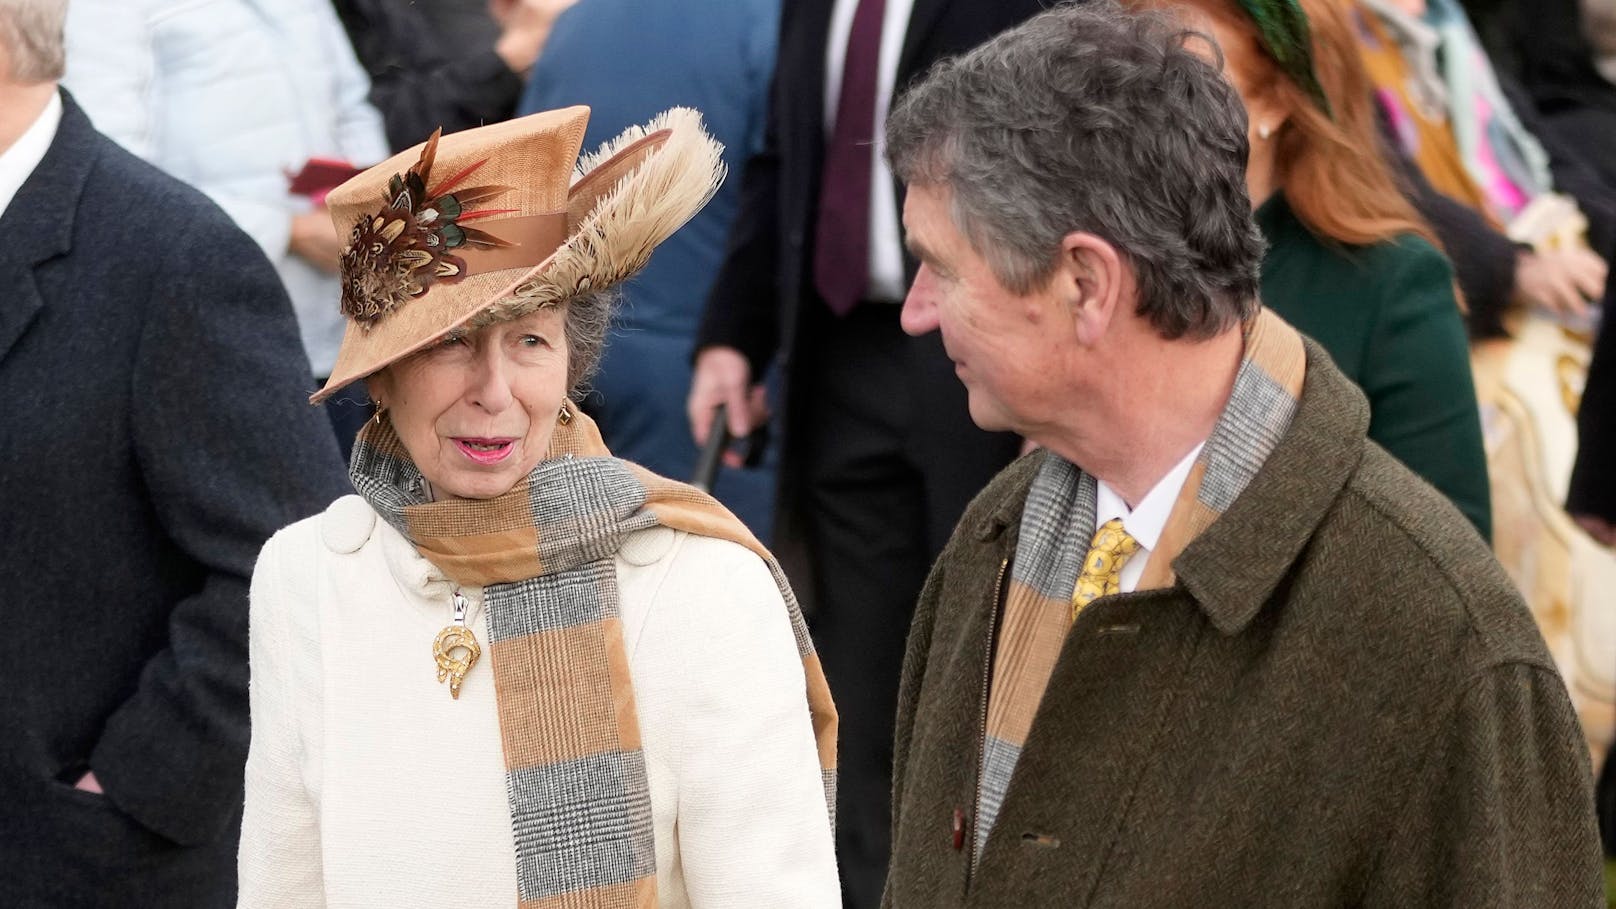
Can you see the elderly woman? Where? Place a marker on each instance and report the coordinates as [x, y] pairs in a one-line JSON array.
[[514, 670], [1349, 261]]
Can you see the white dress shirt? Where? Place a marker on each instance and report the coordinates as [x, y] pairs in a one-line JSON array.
[[886, 243], [17, 163], [1144, 522]]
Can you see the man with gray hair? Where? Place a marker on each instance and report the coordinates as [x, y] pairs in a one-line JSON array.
[[153, 434], [1209, 646]]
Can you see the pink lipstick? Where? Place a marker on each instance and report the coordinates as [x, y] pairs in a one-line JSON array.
[[486, 451]]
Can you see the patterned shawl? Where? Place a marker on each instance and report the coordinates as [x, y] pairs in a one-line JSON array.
[[1058, 522], [575, 773]]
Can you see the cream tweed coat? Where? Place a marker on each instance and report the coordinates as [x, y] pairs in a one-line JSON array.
[[367, 785]]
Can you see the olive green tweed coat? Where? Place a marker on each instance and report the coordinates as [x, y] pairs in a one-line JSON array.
[[1341, 702]]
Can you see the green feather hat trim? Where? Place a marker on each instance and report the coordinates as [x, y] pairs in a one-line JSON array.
[[1283, 27]]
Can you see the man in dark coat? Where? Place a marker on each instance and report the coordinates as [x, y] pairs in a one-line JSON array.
[[152, 394], [1210, 646], [423, 76], [878, 455]]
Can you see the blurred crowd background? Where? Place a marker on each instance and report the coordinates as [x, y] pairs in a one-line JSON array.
[[1496, 119]]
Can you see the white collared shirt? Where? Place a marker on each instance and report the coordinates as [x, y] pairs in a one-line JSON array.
[[886, 244], [1146, 520], [17, 163]]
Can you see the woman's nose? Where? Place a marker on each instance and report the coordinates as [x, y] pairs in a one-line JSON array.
[[492, 389]]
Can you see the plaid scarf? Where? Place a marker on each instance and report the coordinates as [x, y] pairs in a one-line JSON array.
[[1058, 522], [575, 773]]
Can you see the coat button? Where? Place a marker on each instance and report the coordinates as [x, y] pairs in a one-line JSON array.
[[346, 524], [959, 829]]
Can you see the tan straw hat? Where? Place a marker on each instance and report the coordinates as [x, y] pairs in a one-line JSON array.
[[495, 222]]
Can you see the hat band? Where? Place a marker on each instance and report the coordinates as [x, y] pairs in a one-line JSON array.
[[532, 237]]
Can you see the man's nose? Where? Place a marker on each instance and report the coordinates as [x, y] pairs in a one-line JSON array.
[[919, 314]]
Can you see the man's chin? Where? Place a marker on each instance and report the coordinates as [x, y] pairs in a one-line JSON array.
[[987, 417]]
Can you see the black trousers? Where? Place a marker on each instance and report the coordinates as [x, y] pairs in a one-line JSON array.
[[889, 458], [1593, 477]]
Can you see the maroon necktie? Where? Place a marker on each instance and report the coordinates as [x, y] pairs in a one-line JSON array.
[[842, 236]]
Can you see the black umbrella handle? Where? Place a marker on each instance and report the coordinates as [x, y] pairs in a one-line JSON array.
[[718, 439]]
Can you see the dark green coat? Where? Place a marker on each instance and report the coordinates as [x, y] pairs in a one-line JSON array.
[[1342, 702], [1388, 317]]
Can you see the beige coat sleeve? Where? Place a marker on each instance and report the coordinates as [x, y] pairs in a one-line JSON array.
[[279, 860], [753, 826]]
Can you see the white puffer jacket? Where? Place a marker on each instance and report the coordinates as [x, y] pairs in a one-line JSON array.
[[367, 785], [233, 96]]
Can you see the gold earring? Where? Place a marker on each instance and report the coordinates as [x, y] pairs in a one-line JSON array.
[[380, 409], [566, 414]]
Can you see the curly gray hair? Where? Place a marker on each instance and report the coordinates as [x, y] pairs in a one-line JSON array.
[[589, 318], [1091, 118]]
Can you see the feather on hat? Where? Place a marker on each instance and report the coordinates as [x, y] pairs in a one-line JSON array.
[[555, 225]]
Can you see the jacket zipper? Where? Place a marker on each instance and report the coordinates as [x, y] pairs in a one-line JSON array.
[[982, 719]]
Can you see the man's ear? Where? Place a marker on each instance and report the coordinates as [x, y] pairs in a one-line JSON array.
[[1092, 273]]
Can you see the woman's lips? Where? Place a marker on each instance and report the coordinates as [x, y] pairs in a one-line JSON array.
[[486, 451]]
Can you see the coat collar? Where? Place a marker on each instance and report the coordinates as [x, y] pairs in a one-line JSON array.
[[38, 224], [1269, 524]]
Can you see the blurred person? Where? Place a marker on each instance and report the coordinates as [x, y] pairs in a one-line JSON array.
[[1349, 261], [1558, 45], [628, 59], [1600, 19], [878, 457], [464, 25], [235, 97], [1592, 496], [420, 82], [155, 436], [1210, 645], [623, 706], [1456, 118]]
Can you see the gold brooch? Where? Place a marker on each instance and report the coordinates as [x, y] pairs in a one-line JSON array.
[[456, 649]]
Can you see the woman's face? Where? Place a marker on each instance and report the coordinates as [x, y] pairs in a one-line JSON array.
[[475, 411]]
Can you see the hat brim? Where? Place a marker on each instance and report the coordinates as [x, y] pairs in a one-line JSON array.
[[626, 198]]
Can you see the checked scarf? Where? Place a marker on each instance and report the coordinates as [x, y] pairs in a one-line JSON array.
[[575, 773], [1058, 522]]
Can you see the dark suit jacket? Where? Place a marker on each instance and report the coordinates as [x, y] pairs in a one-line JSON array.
[[767, 273], [418, 80], [155, 433]]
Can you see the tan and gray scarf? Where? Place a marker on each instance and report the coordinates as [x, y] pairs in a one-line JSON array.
[[1058, 522], [575, 773]]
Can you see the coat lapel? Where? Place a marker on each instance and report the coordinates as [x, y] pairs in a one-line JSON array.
[[38, 224]]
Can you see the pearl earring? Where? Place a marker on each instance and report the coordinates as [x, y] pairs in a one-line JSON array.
[[1264, 131]]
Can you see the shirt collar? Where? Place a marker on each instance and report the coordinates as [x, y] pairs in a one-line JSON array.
[[1145, 521], [17, 163]]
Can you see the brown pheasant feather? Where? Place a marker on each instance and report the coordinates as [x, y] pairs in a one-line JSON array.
[[402, 250]]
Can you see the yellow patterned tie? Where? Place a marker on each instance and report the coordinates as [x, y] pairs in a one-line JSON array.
[[1102, 569]]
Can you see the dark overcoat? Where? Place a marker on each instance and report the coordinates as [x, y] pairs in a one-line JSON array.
[[154, 432], [1341, 702]]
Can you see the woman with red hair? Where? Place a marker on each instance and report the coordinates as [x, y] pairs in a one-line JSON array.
[[1350, 262]]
